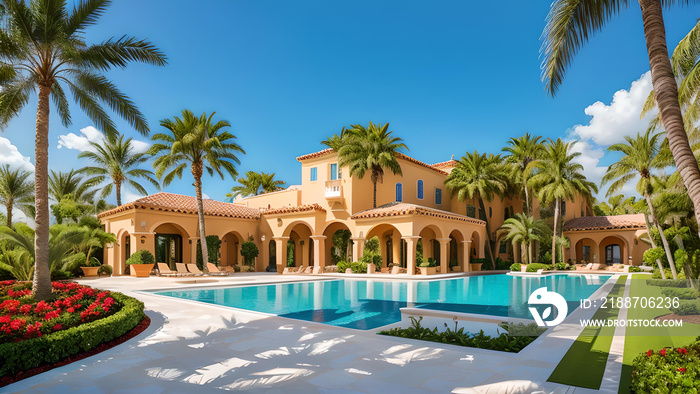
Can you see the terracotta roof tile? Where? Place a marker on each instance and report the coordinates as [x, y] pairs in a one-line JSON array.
[[605, 222], [446, 164], [285, 210], [186, 204], [328, 151], [320, 153], [401, 209]]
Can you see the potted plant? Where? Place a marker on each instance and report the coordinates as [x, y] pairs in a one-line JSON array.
[[105, 270], [429, 267], [91, 267], [141, 264], [249, 251]]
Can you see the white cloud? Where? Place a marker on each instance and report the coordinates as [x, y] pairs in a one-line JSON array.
[[90, 134], [610, 124], [9, 154], [130, 197], [205, 196]]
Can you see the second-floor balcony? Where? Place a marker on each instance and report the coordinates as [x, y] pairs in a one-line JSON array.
[[334, 189]]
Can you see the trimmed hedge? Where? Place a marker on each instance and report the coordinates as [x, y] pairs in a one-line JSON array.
[[538, 266], [49, 349], [667, 282], [687, 307], [681, 292], [515, 267]]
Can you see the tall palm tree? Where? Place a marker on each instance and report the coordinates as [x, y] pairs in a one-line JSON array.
[[255, 183], [16, 191], [559, 179], [479, 176], [43, 49], [616, 205], [72, 182], [202, 144], [336, 141], [640, 157], [371, 149], [116, 159], [525, 230], [521, 152], [569, 25]]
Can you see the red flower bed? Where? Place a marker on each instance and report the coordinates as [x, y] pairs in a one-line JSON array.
[[22, 317]]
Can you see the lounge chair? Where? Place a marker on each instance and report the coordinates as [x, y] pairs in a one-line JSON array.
[[290, 271], [307, 270], [193, 269], [164, 270], [595, 267], [214, 270], [317, 270], [182, 269], [395, 270]]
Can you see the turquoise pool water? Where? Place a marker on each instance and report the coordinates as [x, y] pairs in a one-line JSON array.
[[367, 304]]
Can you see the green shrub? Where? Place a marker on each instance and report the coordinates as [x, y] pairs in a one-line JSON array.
[[682, 293], [515, 267], [358, 267], [634, 269], [667, 370], [213, 251], [141, 257], [342, 266], [560, 266], [49, 349], [537, 266], [61, 275], [687, 307], [520, 329], [667, 282], [249, 251], [656, 274], [503, 342], [104, 270], [236, 268]]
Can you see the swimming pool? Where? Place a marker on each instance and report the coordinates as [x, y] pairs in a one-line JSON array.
[[366, 304]]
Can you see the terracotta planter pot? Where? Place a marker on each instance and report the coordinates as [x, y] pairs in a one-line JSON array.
[[428, 270], [475, 266], [140, 270], [90, 271]]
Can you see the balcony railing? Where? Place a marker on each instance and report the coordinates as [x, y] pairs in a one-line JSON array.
[[334, 189]]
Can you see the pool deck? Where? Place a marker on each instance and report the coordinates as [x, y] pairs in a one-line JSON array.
[[195, 347]]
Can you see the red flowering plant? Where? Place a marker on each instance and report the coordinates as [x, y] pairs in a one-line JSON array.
[[22, 317], [667, 370]]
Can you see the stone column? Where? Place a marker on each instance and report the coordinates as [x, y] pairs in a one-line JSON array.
[[358, 247], [444, 262], [281, 253], [466, 251], [319, 250], [411, 243]]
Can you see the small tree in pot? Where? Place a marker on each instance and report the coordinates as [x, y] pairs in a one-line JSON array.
[[249, 251]]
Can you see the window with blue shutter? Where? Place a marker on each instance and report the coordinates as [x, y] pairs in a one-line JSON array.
[[420, 189], [399, 192], [438, 196], [334, 171], [314, 174]]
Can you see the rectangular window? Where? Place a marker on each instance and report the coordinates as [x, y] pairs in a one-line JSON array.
[[438, 196], [334, 171], [399, 192], [471, 211], [420, 189], [586, 254], [314, 174], [503, 248]]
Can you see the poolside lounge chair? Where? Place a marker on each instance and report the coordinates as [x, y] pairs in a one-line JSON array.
[[595, 267], [182, 270], [306, 270], [164, 270], [290, 270], [395, 270], [317, 270], [214, 270], [587, 267], [194, 269]]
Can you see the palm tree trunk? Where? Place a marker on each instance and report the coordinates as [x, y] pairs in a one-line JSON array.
[[118, 186], [10, 207], [41, 287], [374, 201], [554, 233], [529, 252], [527, 198], [488, 233], [653, 245], [666, 91], [197, 172], [664, 241]]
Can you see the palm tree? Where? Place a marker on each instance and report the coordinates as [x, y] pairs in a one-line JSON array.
[[479, 176], [640, 157], [16, 191], [616, 205], [255, 183], [202, 144], [72, 182], [42, 48], [336, 141], [522, 151], [559, 179], [571, 23], [116, 159], [525, 230], [370, 149]]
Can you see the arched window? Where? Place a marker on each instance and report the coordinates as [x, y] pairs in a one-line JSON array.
[[420, 189], [399, 192]]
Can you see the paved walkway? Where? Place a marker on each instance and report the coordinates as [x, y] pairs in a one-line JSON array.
[[195, 347]]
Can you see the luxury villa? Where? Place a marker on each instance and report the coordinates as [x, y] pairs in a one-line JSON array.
[[410, 207]]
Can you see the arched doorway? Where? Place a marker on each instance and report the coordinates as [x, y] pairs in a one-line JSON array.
[[272, 261], [455, 250], [231, 249], [390, 244], [585, 250], [613, 250], [171, 245], [299, 246], [337, 245], [124, 253]]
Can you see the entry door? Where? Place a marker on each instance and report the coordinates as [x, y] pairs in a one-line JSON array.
[[612, 254]]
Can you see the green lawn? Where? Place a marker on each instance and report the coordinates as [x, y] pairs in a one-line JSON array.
[[640, 339], [584, 364]]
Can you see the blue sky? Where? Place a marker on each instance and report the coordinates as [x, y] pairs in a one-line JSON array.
[[449, 76]]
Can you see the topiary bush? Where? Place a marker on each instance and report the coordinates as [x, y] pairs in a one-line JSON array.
[[342, 266], [667, 282], [634, 269], [515, 267], [668, 370], [537, 266], [104, 270], [560, 266], [141, 257], [249, 251], [681, 293]]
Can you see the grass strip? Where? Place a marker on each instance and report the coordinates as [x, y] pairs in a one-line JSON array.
[[584, 364], [640, 339]]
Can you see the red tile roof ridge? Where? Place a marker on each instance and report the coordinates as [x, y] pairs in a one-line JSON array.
[[290, 209], [445, 164], [632, 221], [328, 151], [400, 209]]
